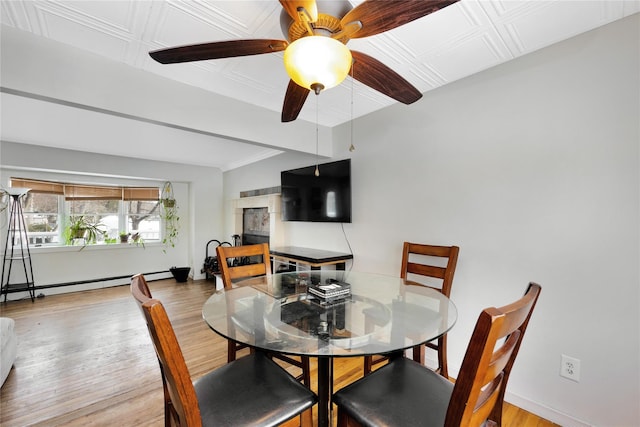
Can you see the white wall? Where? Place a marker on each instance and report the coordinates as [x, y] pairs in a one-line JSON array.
[[532, 168], [77, 76], [198, 192]]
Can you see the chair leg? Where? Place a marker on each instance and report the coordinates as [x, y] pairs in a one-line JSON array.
[[495, 417], [442, 357], [167, 414], [344, 420], [368, 364], [169, 411], [231, 351], [306, 418], [370, 361], [440, 346], [306, 371], [418, 354], [171, 416]]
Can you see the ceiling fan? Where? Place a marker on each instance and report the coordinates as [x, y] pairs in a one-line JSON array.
[[336, 24]]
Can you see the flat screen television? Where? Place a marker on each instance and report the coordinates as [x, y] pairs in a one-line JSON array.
[[323, 198]]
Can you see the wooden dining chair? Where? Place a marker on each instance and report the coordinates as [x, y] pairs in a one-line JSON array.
[[241, 262], [253, 390], [140, 290], [406, 393], [432, 266]]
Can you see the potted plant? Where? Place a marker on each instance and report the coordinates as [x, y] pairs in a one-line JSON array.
[[124, 237], [171, 221], [83, 227], [169, 215], [181, 274], [167, 197], [138, 240], [4, 200]]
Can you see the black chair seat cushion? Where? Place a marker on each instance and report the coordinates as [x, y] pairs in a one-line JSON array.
[[401, 393], [251, 391]]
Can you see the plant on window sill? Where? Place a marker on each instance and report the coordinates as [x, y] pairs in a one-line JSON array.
[[82, 227], [138, 240]]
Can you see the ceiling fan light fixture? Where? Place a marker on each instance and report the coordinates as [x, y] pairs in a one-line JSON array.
[[315, 61]]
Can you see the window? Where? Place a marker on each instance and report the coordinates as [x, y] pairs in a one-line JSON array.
[[51, 207], [143, 218], [41, 217], [103, 213]]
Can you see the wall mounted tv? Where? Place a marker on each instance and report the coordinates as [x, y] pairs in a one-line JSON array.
[[323, 198]]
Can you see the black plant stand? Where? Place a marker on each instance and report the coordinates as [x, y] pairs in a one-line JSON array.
[[17, 249]]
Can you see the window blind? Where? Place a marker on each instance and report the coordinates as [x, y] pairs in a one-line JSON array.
[[87, 192], [38, 186]]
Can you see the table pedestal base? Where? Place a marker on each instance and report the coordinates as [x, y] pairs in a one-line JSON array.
[[325, 391]]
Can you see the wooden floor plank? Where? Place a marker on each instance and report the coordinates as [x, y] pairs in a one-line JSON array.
[[85, 359]]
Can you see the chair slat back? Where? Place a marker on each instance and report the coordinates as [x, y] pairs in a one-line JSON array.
[[500, 358], [487, 364], [175, 374], [233, 272], [409, 267], [426, 270], [140, 288]]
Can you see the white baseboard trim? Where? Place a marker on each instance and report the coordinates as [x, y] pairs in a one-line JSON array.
[[544, 412]]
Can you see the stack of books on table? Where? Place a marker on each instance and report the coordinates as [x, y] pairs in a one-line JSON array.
[[330, 292]]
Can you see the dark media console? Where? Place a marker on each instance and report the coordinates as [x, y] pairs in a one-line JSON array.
[[316, 258]]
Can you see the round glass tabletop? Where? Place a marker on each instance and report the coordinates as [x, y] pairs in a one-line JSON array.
[[380, 314]]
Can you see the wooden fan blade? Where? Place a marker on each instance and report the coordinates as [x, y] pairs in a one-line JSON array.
[[293, 101], [217, 50], [378, 76], [291, 6], [378, 16]]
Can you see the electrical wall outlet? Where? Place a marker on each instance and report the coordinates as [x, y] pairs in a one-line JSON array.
[[570, 368]]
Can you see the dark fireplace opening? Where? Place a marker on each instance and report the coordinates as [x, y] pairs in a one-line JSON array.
[[255, 229], [255, 226], [253, 239]]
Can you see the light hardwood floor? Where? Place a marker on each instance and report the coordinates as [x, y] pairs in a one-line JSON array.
[[86, 359]]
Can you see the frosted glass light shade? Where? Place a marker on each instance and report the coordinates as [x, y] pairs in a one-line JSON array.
[[316, 60], [17, 191]]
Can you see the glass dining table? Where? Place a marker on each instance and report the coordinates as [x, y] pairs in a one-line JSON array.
[[381, 315]]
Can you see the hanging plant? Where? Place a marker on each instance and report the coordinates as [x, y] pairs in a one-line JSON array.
[[169, 214], [167, 197], [4, 200]]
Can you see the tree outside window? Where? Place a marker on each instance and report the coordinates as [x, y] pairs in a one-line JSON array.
[[41, 217], [143, 218]]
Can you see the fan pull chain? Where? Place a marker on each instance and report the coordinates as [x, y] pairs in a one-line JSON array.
[[317, 172], [351, 147]]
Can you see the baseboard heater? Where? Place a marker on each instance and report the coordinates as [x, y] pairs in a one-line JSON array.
[[83, 282]]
